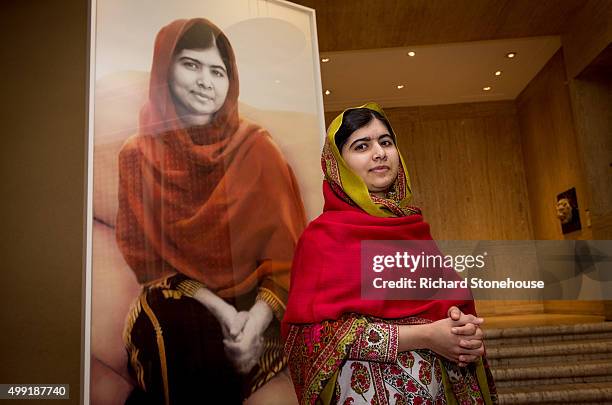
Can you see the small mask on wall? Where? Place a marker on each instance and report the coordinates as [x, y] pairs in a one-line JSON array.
[[567, 211]]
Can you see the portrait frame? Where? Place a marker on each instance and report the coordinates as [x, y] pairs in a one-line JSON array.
[[302, 153], [572, 223]]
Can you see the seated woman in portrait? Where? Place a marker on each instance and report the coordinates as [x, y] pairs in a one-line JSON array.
[[209, 216], [344, 349]]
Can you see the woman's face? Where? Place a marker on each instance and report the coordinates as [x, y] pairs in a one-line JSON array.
[[371, 153], [199, 83]]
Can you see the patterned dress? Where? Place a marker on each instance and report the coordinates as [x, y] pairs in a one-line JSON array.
[[356, 361]]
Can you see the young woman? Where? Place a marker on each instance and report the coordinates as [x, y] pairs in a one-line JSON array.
[[209, 215], [343, 349]]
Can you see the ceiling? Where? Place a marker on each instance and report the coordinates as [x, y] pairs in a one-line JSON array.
[[369, 24], [436, 74], [459, 46]]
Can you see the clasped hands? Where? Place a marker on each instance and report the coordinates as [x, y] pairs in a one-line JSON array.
[[243, 334], [242, 330], [458, 337]]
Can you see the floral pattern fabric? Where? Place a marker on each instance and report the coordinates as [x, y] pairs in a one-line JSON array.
[[355, 360], [407, 382], [377, 342]]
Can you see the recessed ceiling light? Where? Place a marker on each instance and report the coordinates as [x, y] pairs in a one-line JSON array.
[[511, 55], [498, 73], [327, 92], [411, 53], [277, 81], [400, 86], [324, 60], [487, 88]]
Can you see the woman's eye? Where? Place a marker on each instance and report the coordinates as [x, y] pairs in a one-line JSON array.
[[361, 146], [190, 65], [218, 73], [386, 142]]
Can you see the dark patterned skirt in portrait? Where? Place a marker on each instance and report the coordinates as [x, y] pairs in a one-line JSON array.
[[176, 352]]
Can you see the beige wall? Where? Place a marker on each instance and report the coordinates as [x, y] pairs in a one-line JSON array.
[[588, 55], [552, 160], [553, 163], [42, 163], [592, 106]]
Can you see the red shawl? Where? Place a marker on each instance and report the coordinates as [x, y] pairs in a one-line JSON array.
[[217, 202], [326, 277]]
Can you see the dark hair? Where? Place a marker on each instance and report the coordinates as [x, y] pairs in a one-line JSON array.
[[204, 36], [357, 118]]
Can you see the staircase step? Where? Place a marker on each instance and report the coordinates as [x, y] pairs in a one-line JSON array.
[[526, 340], [569, 363], [536, 320], [546, 370], [551, 349], [566, 393], [523, 361], [553, 373], [553, 381], [601, 327], [579, 402]]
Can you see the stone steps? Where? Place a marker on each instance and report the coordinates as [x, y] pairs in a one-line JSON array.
[[547, 338], [553, 373], [599, 393], [548, 364], [538, 350], [549, 330]]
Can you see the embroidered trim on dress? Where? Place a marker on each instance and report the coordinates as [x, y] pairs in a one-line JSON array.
[[133, 352], [189, 287], [160, 345], [313, 377], [267, 296]]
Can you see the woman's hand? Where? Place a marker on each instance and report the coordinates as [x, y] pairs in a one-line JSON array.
[[245, 350], [458, 339], [461, 349], [236, 325], [470, 322], [470, 330], [231, 321]]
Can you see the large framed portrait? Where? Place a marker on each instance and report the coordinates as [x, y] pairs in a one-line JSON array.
[[206, 125]]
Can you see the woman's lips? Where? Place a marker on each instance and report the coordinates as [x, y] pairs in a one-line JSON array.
[[380, 169], [201, 96]]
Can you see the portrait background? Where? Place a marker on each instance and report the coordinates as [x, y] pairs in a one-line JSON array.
[[278, 67]]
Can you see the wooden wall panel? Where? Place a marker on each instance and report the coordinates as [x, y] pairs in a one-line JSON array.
[[592, 103], [554, 163], [552, 160], [587, 35]]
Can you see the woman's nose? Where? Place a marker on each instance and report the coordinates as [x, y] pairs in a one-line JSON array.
[[379, 152], [205, 79]]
